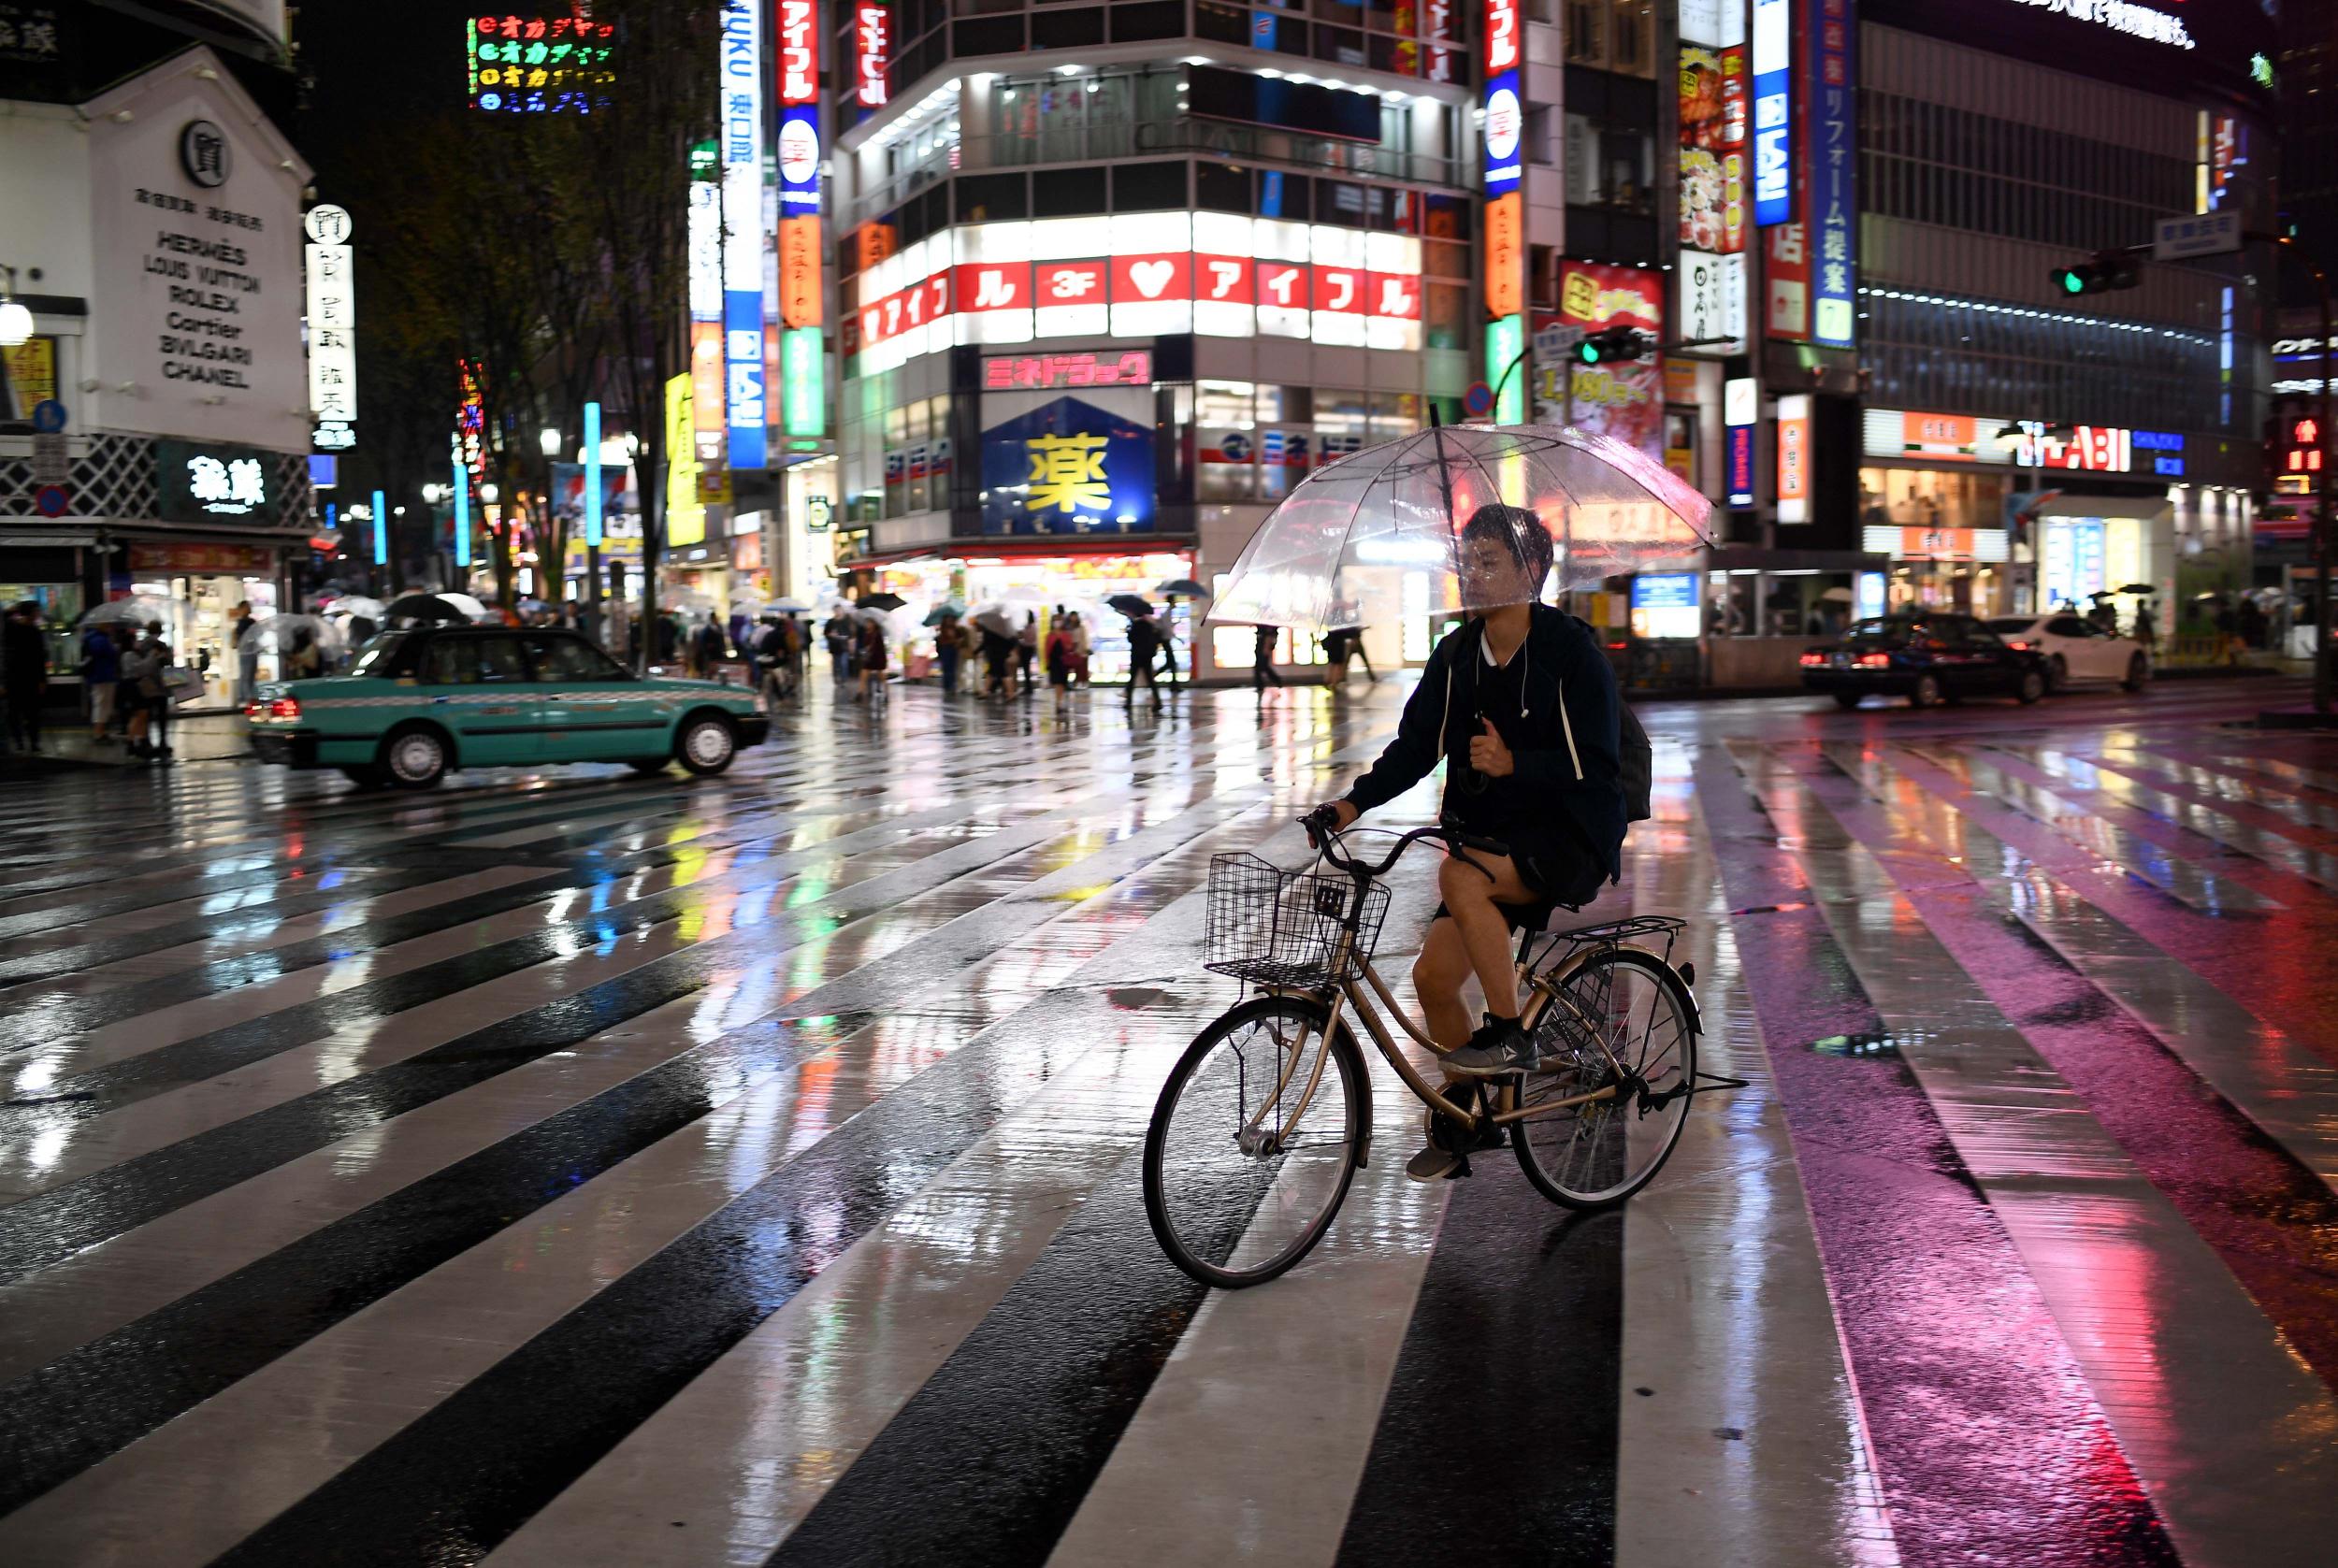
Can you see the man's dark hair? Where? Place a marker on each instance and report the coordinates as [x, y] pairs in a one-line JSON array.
[[1520, 532]]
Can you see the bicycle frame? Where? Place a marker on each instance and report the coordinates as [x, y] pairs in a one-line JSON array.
[[1541, 991]]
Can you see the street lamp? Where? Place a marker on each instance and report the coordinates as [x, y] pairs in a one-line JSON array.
[[433, 494], [549, 442], [488, 493], [15, 321]]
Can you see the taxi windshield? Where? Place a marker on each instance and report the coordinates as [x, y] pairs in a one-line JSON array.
[[378, 655]]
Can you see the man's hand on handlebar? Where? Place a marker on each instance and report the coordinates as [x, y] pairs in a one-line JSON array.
[[1330, 817]]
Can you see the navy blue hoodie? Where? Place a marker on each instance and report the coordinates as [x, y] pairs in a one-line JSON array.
[[1564, 756]]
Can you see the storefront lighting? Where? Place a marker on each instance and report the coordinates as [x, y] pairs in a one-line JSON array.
[[548, 443], [489, 494], [1067, 70], [16, 324], [433, 494]]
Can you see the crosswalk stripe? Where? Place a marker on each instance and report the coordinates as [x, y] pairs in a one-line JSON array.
[[2034, 1114]]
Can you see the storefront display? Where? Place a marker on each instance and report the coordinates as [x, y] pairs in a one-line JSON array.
[[1944, 530], [1042, 586], [204, 584]]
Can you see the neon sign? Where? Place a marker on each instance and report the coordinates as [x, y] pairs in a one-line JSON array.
[[871, 27], [1774, 112], [523, 65], [740, 144], [1054, 372]]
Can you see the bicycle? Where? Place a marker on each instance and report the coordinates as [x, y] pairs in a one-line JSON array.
[[1256, 1138]]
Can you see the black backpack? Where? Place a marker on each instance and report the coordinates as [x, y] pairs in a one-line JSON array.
[[1636, 760]]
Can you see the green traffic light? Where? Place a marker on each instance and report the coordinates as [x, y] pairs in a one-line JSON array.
[[2073, 281], [1588, 352]]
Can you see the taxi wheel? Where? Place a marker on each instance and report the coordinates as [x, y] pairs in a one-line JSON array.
[[2031, 687], [1926, 692], [706, 744], [414, 757]]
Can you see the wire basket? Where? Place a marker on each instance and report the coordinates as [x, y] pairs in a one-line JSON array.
[[1271, 926]]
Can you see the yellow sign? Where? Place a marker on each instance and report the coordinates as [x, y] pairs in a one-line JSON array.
[[32, 373], [1067, 473], [685, 515]]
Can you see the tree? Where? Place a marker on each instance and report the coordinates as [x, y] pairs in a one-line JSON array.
[[630, 176]]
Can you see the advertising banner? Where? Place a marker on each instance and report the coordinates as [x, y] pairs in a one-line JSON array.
[[1712, 109], [1773, 111], [1830, 151], [1625, 399], [1712, 302], [1793, 458], [1068, 467], [741, 146]]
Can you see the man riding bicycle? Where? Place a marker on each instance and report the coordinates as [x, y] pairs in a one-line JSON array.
[[1521, 704]]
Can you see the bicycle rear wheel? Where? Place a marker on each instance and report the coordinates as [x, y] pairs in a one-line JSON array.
[[1596, 1154], [1244, 1169]]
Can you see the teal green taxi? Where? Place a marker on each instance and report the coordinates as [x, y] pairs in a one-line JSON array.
[[415, 705]]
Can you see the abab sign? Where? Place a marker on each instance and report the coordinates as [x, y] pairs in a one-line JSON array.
[[1068, 468]]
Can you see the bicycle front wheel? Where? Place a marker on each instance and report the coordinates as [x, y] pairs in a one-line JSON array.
[[1629, 1030], [1254, 1140]]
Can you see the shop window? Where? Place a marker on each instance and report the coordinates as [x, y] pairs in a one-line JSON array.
[[993, 35], [1632, 38], [1281, 404], [1340, 46], [1609, 165], [1070, 192], [1153, 19], [1587, 32], [1445, 315], [1394, 414], [1342, 423], [1223, 403], [988, 198], [1220, 23], [1148, 187], [1222, 187], [1068, 29]]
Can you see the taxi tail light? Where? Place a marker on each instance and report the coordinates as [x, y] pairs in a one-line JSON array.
[[1875, 661], [2017, 644], [1810, 661], [283, 708]]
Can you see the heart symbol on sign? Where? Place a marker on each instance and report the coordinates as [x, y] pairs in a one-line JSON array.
[[1151, 277]]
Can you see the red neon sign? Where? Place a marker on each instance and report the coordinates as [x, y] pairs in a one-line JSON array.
[[872, 25], [1047, 372], [799, 31], [1501, 35]]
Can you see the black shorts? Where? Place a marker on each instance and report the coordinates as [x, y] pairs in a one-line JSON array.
[[1555, 867]]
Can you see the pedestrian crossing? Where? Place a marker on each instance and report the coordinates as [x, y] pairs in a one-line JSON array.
[[567, 1167]]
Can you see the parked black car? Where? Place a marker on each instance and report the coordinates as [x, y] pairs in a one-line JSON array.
[[1927, 657]]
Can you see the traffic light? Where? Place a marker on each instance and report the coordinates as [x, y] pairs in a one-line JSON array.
[[2108, 270], [1611, 344]]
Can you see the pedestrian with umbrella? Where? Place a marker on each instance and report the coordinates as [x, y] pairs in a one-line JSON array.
[[1263, 670], [998, 645], [1519, 702], [1026, 650], [949, 645], [1145, 641]]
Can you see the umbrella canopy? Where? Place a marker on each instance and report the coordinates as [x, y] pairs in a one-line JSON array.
[[1182, 587], [352, 604], [787, 607], [942, 612], [435, 607], [139, 610], [882, 601], [1836, 595], [1591, 506], [990, 618], [286, 632], [1129, 604], [2139, 588]]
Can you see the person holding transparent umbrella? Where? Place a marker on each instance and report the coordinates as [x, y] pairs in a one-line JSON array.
[[1519, 702]]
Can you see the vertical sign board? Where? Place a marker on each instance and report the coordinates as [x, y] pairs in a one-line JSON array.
[[332, 324], [1774, 112], [1740, 402], [1505, 227], [462, 516], [1793, 458], [801, 401], [740, 144], [1830, 146], [871, 50], [592, 475]]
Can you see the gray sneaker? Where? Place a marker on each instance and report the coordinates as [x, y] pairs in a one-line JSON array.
[[1501, 1047]]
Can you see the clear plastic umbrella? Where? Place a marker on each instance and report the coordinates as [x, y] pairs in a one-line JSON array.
[[139, 610], [282, 632], [1336, 552]]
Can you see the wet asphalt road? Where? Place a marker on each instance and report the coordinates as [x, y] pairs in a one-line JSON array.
[[572, 1169]]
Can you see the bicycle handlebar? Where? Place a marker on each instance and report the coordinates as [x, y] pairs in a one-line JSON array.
[[1323, 838]]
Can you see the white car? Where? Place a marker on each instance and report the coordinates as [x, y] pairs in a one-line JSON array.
[[2076, 649]]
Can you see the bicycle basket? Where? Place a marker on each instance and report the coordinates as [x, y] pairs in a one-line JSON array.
[[1271, 926]]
